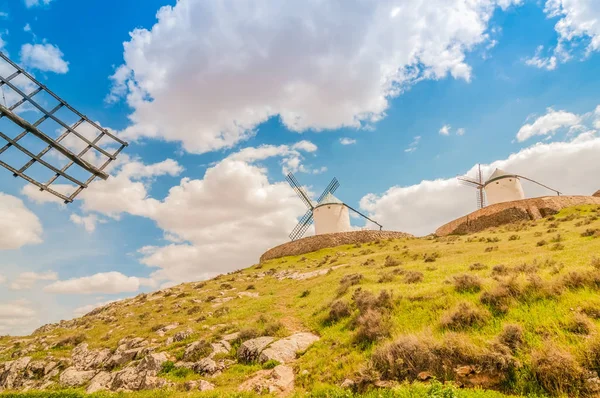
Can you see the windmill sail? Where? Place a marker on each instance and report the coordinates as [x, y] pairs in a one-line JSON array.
[[47, 142]]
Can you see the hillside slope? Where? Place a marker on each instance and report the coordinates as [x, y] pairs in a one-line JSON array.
[[513, 309]]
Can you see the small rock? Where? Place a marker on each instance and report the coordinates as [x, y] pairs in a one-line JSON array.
[[72, 377], [205, 386], [424, 376], [100, 382], [347, 383], [231, 337], [205, 366], [464, 371], [152, 362]]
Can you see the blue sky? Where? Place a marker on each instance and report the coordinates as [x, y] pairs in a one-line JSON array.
[[219, 98]]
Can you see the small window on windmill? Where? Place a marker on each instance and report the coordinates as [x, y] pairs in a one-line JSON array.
[[47, 142]]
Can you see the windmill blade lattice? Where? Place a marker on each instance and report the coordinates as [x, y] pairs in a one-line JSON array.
[[307, 219], [51, 140]]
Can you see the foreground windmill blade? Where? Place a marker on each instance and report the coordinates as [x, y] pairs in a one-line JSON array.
[[331, 188], [304, 223], [85, 148], [299, 191]]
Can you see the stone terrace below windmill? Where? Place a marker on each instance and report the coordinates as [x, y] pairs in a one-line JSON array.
[[318, 242], [509, 212]]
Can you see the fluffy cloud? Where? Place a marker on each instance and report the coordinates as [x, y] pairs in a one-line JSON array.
[[316, 66], [548, 124], [421, 208], [27, 280], [105, 283], [347, 141], [461, 131], [18, 225], [579, 21], [88, 222], [33, 3], [44, 57], [445, 130], [15, 316]]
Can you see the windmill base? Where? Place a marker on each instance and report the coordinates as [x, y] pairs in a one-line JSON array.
[[318, 242], [509, 212]]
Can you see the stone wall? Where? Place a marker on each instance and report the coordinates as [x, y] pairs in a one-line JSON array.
[[504, 213], [318, 242]]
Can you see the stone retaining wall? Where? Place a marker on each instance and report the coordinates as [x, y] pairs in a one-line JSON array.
[[508, 212], [318, 242]]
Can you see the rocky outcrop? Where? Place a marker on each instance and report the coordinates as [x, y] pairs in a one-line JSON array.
[[263, 349], [318, 242], [84, 359], [285, 350], [250, 350], [72, 377], [12, 373], [509, 212]]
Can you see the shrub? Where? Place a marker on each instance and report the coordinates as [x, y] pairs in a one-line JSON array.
[[541, 243], [430, 258], [250, 287], [490, 249], [557, 238], [463, 316], [338, 310], [498, 299], [557, 246], [167, 367], [467, 283], [514, 237], [589, 232], [477, 267], [70, 341], [270, 364], [221, 312], [591, 354], [195, 309], [408, 355], [413, 277], [371, 326], [574, 280], [579, 324], [347, 281], [391, 262], [387, 277], [500, 269], [247, 334], [275, 329], [595, 262], [512, 336], [592, 310], [305, 293], [557, 371]]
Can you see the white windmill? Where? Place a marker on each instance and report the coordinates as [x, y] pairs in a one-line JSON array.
[[500, 187], [329, 214]]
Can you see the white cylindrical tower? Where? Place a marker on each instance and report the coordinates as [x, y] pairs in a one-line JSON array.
[[503, 187], [331, 216]]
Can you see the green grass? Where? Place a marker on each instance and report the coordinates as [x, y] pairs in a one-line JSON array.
[[285, 306]]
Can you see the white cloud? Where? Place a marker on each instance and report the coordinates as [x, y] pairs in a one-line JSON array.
[[578, 22], [413, 145], [33, 3], [421, 208], [27, 28], [445, 130], [316, 66], [461, 131], [539, 61], [548, 124], [44, 57], [347, 141], [2, 279], [104, 282], [26, 280], [18, 225], [16, 314], [291, 156], [88, 222], [3, 14]]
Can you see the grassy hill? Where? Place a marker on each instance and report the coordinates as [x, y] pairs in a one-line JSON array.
[[511, 310]]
